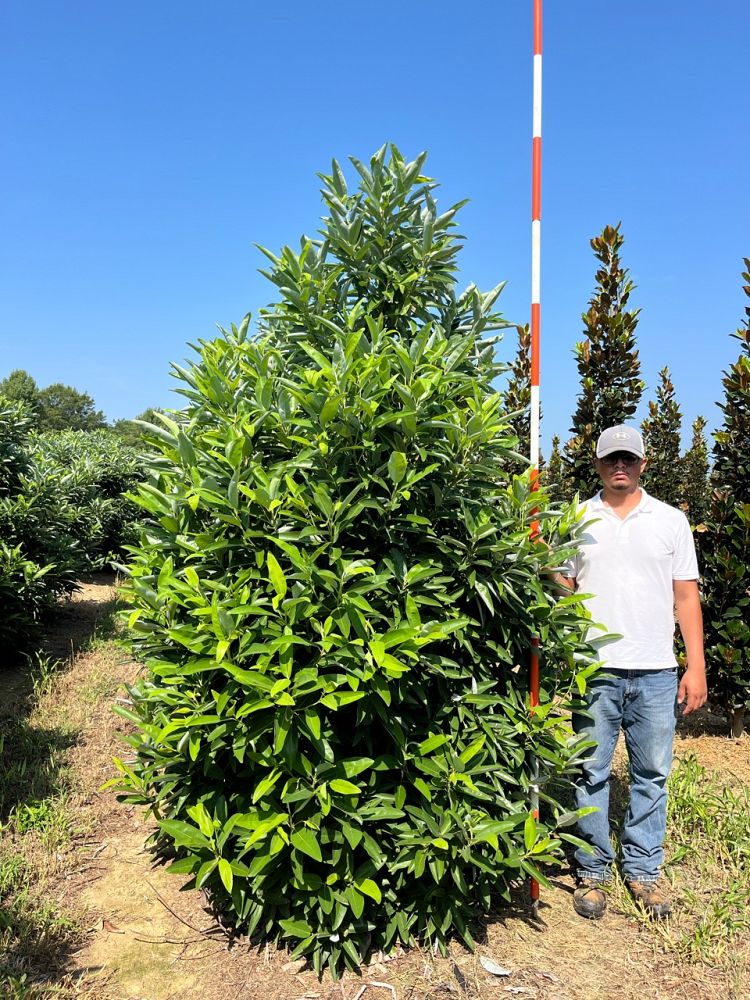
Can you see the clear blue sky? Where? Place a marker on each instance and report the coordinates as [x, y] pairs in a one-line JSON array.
[[146, 146]]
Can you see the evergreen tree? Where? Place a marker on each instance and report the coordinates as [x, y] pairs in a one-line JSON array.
[[608, 364], [731, 450], [661, 437], [552, 474], [694, 488], [517, 399], [726, 543]]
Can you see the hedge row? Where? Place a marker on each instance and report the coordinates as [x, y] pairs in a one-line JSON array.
[[62, 515]]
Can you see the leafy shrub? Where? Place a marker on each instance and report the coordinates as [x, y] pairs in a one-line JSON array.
[[62, 514], [24, 594], [15, 423], [92, 470], [24, 583], [335, 596]]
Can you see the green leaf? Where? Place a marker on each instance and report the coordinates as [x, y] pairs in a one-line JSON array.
[[344, 787], [356, 901], [265, 785], [225, 873], [529, 833], [183, 834], [421, 785], [304, 840], [338, 699], [276, 575], [397, 467], [432, 743], [370, 888], [356, 766], [296, 928]]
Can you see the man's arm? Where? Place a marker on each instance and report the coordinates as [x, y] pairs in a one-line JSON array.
[[693, 690]]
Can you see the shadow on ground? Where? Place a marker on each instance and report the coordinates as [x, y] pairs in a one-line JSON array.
[[34, 769]]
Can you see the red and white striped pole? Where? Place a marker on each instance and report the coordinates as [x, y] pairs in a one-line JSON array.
[[536, 241]]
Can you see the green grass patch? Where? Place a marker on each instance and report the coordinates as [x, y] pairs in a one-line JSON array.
[[706, 871]]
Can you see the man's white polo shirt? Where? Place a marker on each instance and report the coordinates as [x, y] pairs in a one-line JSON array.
[[628, 565]]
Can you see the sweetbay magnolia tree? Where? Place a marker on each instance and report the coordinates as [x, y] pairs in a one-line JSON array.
[[335, 595]]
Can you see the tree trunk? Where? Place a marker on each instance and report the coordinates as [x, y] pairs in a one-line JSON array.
[[737, 722]]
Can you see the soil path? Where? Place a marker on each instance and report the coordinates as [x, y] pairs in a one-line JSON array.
[[148, 940]]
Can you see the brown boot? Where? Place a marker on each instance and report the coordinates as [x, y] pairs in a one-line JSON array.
[[651, 897], [589, 899]]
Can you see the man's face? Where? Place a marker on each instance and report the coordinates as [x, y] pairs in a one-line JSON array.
[[620, 471]]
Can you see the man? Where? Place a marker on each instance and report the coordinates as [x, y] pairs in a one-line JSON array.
[[637, 558]]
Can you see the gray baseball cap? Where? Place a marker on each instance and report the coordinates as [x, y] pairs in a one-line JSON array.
[[620, 438]]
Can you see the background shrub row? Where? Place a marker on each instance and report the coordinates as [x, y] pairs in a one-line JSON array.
[[62, 515]]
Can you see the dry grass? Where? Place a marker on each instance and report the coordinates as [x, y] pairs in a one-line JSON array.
[[124, 930]]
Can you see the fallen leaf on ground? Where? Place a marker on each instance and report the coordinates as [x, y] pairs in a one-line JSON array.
[[493, 967], [296, 966]]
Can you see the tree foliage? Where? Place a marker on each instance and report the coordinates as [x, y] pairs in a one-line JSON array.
[[608, 364], [552, 474], [727, 540], [661, 429], [20, 387], [335, 595], [63, 408], [517, 400], [57, 407], [132, 431], [694, 486]]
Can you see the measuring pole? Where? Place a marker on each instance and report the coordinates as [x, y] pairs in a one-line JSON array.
[[536, 240]]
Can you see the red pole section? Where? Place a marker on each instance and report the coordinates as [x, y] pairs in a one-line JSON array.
[[536, 324]]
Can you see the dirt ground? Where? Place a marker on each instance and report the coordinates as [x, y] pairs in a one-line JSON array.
[[147, 940]]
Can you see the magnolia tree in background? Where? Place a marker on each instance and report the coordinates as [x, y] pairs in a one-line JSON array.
[[694, 489], [335, 595], [517, 400], [552, 475], [661, 438], [726, 543], [608, 365]]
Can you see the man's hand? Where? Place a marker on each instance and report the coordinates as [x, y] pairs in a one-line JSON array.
[[693, 691]]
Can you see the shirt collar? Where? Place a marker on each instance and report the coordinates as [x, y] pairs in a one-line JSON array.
[[645, 504]]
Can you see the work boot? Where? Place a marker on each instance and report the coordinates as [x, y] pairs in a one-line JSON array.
[[651, 897], [589, 899]]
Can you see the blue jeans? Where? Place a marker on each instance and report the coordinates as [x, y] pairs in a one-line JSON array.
[[644, 704]]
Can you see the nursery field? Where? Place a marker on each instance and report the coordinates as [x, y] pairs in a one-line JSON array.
[[84, 911]]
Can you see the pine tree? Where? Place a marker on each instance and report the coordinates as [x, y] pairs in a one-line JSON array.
[[726, 542], [661, 437], [517, 398], [608, 364], [694, 488]]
